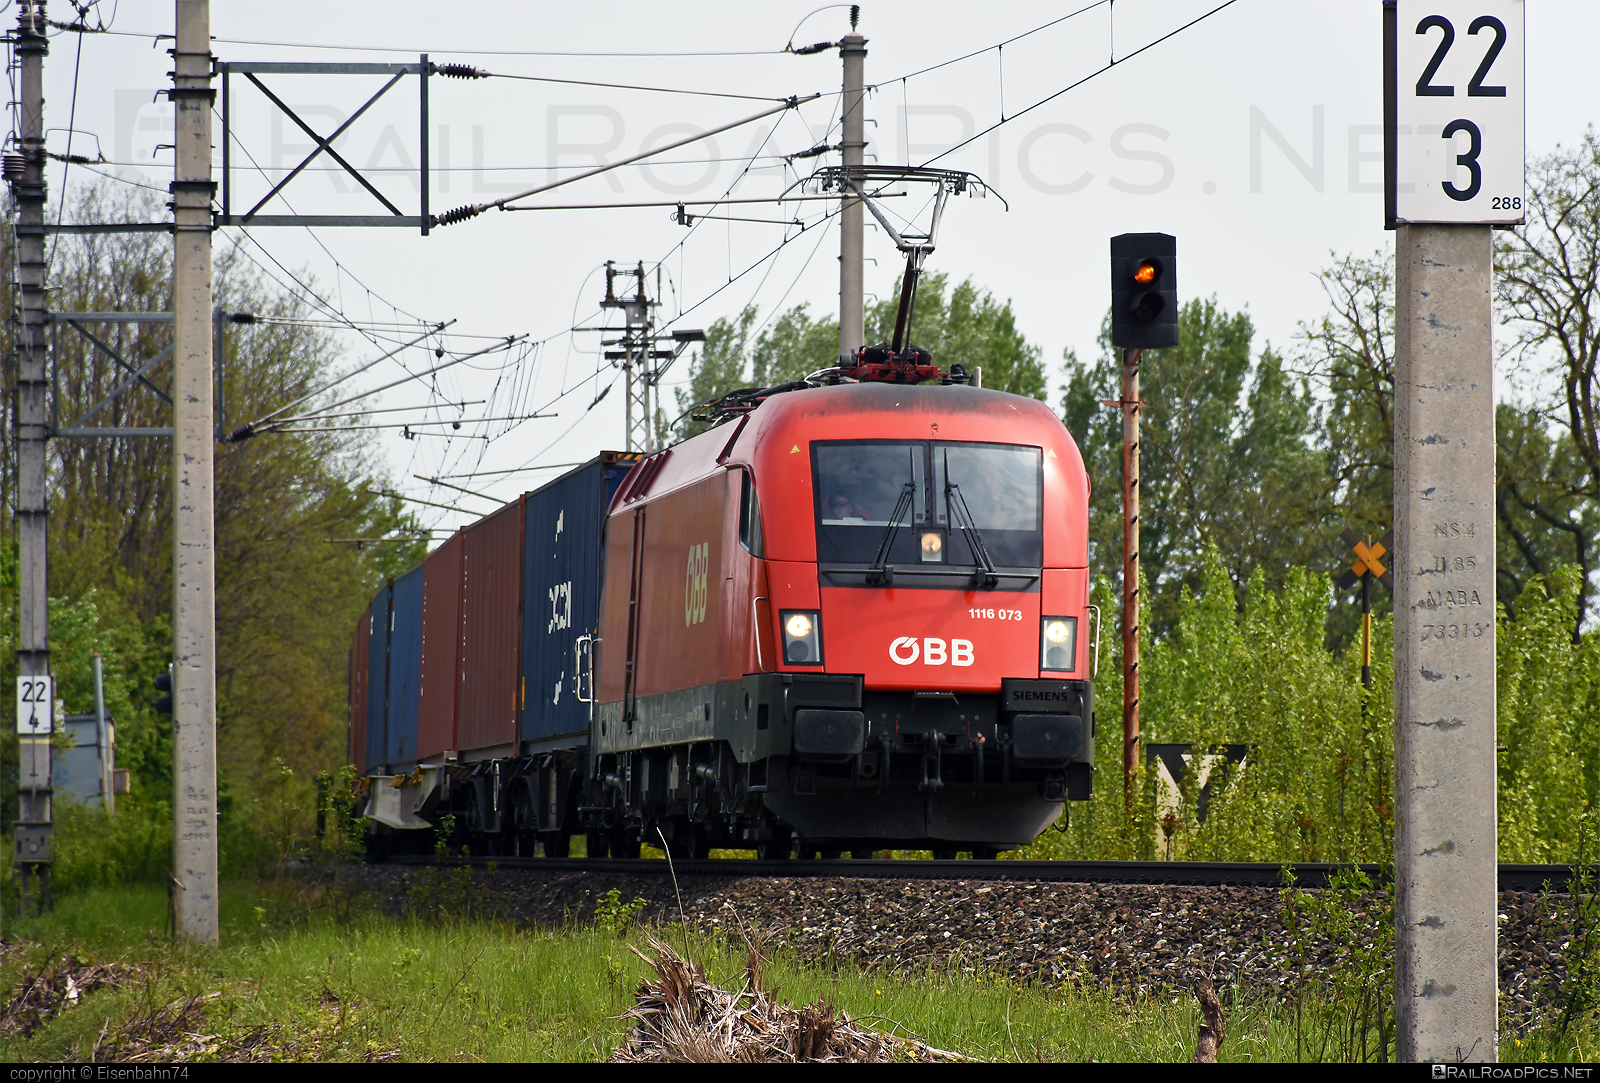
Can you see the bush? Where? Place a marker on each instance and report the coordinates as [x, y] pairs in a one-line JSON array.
[[95, 848], [1317, 784]]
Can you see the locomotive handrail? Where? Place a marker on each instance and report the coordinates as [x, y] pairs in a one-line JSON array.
[[577, 676], [1094, 664], [755, 628]]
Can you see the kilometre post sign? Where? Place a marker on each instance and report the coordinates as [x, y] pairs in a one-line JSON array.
[[1453, 84], [1453, 91]]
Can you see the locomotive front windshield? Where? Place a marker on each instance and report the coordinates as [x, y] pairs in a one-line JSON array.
[[933, 500]]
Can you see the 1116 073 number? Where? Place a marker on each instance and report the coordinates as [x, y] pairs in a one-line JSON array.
[[995, 614]]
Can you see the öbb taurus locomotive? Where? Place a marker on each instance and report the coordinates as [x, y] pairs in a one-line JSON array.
[[853, 614]]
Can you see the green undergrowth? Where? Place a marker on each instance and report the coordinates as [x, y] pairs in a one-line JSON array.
[[294, 978]]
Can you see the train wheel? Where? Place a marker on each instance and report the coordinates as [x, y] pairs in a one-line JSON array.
[[778, 848], [623, 844], [944, 855], [863, 855], [557, 845], [832, 855], [597, 845], [985, 853]]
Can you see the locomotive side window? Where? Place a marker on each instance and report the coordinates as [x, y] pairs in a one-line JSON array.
[[749, 516], [910, 491]]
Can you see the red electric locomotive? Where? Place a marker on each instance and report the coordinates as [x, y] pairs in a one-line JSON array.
[[853, 615]]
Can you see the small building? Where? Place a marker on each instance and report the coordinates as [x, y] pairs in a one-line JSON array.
[[87, 771]]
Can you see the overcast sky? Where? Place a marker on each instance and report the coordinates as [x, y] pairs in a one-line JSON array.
[[1253, 136]]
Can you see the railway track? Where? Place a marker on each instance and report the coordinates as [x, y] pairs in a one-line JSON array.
[[1174, 873]]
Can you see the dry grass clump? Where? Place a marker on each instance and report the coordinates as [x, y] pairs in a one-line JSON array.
[[681, 1017], [54, 989]]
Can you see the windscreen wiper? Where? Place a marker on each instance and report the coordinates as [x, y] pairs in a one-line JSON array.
[[958, 509], [878, 572]]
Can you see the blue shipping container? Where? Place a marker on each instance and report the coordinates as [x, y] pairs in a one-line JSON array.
[[405, 668], [378, 677], [561, 592]]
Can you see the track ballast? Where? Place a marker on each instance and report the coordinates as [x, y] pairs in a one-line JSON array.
[[1260, 874]]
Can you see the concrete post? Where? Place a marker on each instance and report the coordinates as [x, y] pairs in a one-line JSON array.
[[194, 681], [32, 418], [1444, 643], [852, 319]]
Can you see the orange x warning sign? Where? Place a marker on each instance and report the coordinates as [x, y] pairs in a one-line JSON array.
[[1369, 557]]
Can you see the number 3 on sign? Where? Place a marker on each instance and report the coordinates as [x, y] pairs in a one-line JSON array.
[[35, 706], [1455, 118]]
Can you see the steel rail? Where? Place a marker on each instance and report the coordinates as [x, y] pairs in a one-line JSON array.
[[1512, 877]]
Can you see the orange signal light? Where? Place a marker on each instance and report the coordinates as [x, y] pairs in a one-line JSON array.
[[1146, 273]]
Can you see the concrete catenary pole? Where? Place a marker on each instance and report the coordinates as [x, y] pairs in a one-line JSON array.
[[34, 807], [852, 321], [194, 685], [1130, 572], [1444, 637]]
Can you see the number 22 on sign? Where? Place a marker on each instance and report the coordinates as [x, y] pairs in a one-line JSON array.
[[35, 705]]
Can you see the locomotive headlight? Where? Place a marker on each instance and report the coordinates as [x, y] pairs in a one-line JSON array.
[[802, 636], [1058, 643], [933, 546]]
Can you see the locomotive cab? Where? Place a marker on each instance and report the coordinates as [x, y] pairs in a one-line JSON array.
[[855, 616]]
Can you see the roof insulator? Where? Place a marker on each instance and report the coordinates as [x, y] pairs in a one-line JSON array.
[[807, 50]]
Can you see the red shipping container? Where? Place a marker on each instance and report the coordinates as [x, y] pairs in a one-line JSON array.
[[441, 649], [358, 690], [488, 699]]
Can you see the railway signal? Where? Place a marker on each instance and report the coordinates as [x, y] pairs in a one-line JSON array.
[[1144, 291], [1144, 315]]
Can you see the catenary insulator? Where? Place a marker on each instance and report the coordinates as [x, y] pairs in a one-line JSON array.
[[460, 71]]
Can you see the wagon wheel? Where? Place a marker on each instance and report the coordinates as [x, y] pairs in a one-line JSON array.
[[778, 848]]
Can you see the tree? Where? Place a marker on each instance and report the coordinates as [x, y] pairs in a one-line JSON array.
[[1545, 516], [1349, 355], [1226, 459], [1547, 285], [287, 598], [968, 326]]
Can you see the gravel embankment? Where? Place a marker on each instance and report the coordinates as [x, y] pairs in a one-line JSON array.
[[1132, 937]]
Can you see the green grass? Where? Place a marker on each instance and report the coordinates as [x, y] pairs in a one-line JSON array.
[[343, 984]]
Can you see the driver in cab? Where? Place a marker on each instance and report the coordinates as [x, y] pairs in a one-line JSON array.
[[840, 506]]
